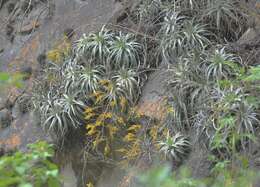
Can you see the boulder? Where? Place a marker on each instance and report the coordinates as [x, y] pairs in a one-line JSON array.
[[152, 101]]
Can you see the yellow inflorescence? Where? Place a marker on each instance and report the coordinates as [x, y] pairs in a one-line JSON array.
[[60, 51], [129, 137], [134, 128]]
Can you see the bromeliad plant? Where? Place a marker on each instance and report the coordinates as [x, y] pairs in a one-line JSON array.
[[206, 94], [110, 73], [189, 89], [195, 36], [124, 51], [221, 64], [171, 38], [179, 36], [89, 78], [234, 120], [60, 114], [111, 49], [95, 45], [175, 148], [172, 22], [128, 81], [226, 17]]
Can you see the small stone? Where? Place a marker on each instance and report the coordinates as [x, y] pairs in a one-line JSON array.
[[5, 118]]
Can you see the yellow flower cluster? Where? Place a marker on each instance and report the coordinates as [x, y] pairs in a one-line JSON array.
[[120, 120], [110, 121], [134, 128], [129, 137], [61, 50], [102, 127], [123, 103]]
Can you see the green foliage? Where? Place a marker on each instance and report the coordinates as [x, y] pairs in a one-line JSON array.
[[7, 79], [206, 94], [32, 168], [234, 120], [254, 74], [162, 176], [222, 176], [188, 87]]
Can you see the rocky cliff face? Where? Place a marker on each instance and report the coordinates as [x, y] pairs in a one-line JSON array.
[[28, 29]]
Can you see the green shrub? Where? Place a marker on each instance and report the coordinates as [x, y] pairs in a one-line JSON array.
[[222, 175], [30, 169]]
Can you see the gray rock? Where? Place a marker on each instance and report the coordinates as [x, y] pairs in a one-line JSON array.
[[16, 111], [2, 103], [26, 71], [5, 118], [21, 106], [249, 35]]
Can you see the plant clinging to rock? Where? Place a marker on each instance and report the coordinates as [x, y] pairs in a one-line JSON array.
[[225, 17], [175, 148], [179, 36], [95, 45], [61, 114], [124, 51], [128, 81], [147, 12], [89, 78], [221, 64]]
